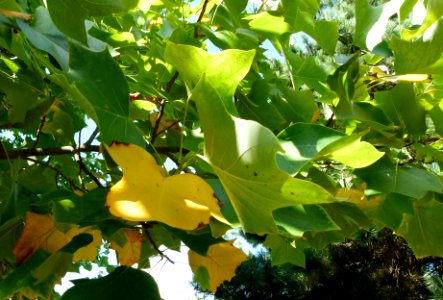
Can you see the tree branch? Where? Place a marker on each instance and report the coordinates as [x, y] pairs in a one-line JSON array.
[[23, 153], [58, 173], [146, 227], [27, 152]]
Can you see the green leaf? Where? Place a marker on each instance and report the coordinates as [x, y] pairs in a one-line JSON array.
[[392, 209], [422, 55], [324, 32], [265, 22], [9, 233], [434, 11], [301, 218], [38, 179], [307, 71], [383, 176], [105, 98], [406, 8], [70, 208], [37, 276], [403, 108], [44, 36], [73, 23], [423, 230], [304, 143], [284, 251], [371, 22], [192, 62], [123, 283], [436, 113], [243, 156], [23, 97], [22, 280]]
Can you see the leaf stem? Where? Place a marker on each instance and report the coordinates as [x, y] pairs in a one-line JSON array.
[[39, 132], [58, 173], [146, 227], [200, 17]]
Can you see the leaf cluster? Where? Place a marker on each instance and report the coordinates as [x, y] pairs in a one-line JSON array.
[[150, 124]]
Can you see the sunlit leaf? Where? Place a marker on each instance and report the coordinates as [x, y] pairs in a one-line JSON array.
[[221, 261], [309, 142], [73, 24], [144, 193], [243, 156]]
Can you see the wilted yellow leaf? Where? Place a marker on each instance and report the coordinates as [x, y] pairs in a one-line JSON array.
[[221, 261], [182, 201], [40, 232], [129, 254]]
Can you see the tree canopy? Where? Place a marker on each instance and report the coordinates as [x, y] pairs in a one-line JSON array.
[[140, 124]]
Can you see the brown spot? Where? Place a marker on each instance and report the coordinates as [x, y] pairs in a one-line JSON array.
[[157, 185], [246, 166], [255, 173], [200, 226], [292, 193], [117, 143]]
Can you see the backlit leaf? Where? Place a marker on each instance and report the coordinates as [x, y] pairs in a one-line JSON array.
[[129, 254], [221, 261], [243, 156], [40, 232], [183, 201]]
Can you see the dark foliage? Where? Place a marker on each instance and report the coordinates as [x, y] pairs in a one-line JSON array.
[[375, 265]]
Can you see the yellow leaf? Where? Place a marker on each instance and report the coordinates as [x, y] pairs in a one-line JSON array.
[[129, 254], [143, 194], [89, 252], [350, 195], [40, 232], [221, 261]]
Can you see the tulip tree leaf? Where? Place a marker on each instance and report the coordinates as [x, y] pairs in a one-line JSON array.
[[383, 176], [220, 261], [73, 23], [246, 165], [192, 62], [104, 97], [309, 142], [182, 201], [122, 283], [423, 229]]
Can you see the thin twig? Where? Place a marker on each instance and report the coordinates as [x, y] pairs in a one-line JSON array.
[[78, 158], [64, 150], [92, 137], [58, 173], [171, 82], [157, 122], [90, 174], [145, 226], [200, 17], [39, 132]]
